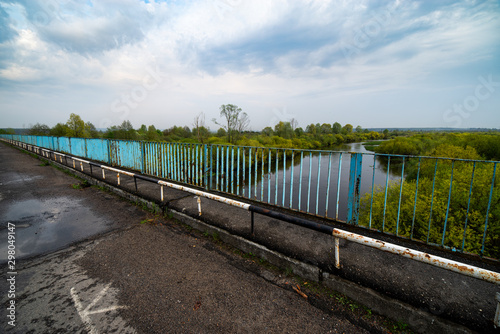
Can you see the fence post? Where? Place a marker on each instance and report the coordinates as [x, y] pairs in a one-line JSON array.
[[86, 149], [143, 157], [108, 144], [205, 167], [354, 188]]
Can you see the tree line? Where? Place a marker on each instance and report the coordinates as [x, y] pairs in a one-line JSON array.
[[233, 129]]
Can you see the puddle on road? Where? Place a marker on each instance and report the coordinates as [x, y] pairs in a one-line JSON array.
[[44, 226]]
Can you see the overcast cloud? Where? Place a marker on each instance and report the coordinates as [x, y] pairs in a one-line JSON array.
[[368, 63]]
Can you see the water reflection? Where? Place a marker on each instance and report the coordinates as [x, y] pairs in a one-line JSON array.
[[315, 182]]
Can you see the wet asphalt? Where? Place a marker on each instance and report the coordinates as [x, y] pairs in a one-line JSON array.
[[88, 261]]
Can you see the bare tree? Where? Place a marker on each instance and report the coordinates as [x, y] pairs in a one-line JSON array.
[[242, 123], [294, 124], [236, 121], [199, 126]]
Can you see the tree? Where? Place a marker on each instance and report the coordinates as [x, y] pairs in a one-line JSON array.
[[221, 132], [39, 130], [142, 131], [91, 130], [201, 132], [242, 123], [325, 128], [336, 128], [8, 131], [235, 121], [76, 126], [299, 132], [152, 134], [359, 129], [267, 131], [311, 129], [177, 133], [123, 131], [284, 130], [59, 130], [347, 129]]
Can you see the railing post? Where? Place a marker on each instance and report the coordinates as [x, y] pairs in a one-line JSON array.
[[354, 188], [108, 145], [337, 253], [86, 149], [143, 157], [205, 167]]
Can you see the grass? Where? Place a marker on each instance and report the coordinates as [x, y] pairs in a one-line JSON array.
[[83, 184], [341, 304], [216, 237], [101, 188], [372, 145]]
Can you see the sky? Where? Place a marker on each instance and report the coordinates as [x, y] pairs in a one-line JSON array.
[[377, 64]]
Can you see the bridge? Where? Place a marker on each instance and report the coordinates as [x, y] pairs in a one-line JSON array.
[[331, 192]]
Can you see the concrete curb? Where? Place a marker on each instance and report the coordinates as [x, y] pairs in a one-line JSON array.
[[418, 320]]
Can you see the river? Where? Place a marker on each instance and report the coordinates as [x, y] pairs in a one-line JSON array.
[[299, 187]]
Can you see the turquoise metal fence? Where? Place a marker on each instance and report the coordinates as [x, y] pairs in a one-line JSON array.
[[451, 203]]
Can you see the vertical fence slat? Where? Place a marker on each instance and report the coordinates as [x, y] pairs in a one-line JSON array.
[[238, 173], [284, 178], [432, 201], [309, 184], [262, 178], [256, 163], [328, 183], [276, 178], [386, 188], [468, 206], [449, 202], [415, 200], [338, 187], [291, 180], [269, 176], [488, 209], [400, 195], [318, 183]]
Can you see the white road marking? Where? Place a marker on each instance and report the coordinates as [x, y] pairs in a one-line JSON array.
[[85, 312]]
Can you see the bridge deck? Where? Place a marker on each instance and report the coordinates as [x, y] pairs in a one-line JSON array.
[[451, 296]]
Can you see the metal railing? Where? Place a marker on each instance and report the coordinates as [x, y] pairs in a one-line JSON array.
[[451, 203]]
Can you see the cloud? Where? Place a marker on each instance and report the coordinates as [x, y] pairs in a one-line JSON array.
[[257, 54], [87, 36], [6, 31], [90, 27]]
